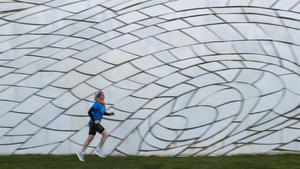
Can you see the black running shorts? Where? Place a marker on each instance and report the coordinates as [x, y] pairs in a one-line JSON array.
[[95, 128]]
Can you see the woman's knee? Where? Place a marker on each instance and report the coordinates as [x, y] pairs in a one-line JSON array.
[[105, 133]]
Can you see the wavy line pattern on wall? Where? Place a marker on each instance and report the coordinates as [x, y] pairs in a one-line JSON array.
[[185, 77]]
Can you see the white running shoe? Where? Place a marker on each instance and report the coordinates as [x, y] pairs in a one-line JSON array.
[[100, 152], [80, 155]]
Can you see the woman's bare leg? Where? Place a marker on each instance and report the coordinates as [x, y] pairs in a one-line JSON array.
[[104, 137], [87, 142]]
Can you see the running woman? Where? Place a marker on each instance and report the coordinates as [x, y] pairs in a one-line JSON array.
[[96, 113]]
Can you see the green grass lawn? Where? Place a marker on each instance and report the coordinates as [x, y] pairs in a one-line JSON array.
[[286, 161]]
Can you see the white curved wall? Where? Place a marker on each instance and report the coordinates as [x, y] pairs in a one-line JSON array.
[[185, 77]]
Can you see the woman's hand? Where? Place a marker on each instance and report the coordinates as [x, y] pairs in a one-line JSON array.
[[97, 122]]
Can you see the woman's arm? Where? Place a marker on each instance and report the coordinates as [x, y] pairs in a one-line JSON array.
[[90, 112]]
